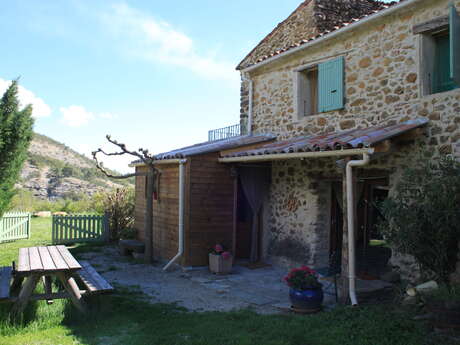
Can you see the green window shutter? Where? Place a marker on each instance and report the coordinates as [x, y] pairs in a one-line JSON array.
[[454, 26], [441, 74], [330, 85]]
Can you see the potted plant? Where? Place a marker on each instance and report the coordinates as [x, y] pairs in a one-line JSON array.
[[305, 293], [220, 260]]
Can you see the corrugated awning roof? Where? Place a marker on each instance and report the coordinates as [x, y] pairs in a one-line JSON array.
[[211, 146], [353, 139]]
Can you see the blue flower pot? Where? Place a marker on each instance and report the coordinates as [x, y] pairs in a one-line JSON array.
[[308, 300]]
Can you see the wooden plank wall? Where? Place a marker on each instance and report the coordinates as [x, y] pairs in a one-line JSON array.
[[210, 220], [165, 211]]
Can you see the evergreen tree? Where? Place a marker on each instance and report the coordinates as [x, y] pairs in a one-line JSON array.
[[15, 136]]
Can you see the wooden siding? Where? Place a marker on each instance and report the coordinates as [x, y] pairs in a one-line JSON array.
[[211, 208], [208, 208], [165, 211]]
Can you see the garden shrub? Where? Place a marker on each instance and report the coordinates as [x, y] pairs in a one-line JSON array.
[[119, 204], [423, 216]]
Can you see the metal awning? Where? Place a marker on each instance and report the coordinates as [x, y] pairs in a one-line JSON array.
[[347, 143]]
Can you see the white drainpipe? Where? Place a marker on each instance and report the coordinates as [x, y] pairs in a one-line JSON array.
[[351, 224], [180, 250], [251, 88]]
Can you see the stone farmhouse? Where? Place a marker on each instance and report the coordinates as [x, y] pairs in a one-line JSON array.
[[335, 102]]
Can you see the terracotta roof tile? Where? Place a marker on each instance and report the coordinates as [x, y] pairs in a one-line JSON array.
[[321, 34], [356, 138]]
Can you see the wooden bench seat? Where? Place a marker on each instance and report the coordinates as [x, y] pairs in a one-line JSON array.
[[92, 280], [5, 279], [129, 246]]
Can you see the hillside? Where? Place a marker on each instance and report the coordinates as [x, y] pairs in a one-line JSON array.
[[55, 171]]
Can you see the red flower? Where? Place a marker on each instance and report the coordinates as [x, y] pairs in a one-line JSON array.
[[218, 248], [226, 255]]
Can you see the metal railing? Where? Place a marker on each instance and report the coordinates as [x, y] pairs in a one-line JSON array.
[[224, 133]]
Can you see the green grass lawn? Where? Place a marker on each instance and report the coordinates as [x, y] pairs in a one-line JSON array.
[[127, 318]]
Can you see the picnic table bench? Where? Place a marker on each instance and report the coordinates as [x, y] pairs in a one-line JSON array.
[[46, 263]]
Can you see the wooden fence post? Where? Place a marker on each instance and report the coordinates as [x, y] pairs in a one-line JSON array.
[[106, 226], [29, 227]]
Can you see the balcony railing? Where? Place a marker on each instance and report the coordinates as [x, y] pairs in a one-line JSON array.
[[224, 133]]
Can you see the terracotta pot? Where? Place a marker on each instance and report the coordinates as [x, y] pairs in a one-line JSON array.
[[219, 265]]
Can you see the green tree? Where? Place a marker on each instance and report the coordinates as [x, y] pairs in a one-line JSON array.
[[15, 135], [423, 218]]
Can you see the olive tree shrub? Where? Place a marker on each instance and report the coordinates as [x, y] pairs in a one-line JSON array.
[[422, 218], [119, 205]]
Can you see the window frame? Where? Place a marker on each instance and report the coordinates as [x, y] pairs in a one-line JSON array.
[[427, 32], [298, 76]]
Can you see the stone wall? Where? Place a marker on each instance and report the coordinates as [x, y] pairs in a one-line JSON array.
[[382, 86], [299, 212], [309, 19]]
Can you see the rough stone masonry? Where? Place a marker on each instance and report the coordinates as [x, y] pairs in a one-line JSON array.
[[383, 85]]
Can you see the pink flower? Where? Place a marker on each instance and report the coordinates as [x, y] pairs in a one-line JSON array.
[[218, 248], [226, 255]]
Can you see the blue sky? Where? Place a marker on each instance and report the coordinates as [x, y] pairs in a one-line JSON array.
[[153, 74]]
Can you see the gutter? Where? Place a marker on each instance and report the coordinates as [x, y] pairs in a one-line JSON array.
[[180, 250], [157, 162], [296, 155], [333, 34], [351, 225]]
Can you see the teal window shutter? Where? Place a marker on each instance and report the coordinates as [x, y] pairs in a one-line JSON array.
[[454, 33], [330, 85], [442, 70]]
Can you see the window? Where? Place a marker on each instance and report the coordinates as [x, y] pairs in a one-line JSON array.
[[308, 91], [320, 87], [440, 53]]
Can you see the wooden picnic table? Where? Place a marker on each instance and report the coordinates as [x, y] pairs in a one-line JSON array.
[[46, 263]]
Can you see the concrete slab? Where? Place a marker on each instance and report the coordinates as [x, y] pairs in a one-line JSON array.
[[262, 289]]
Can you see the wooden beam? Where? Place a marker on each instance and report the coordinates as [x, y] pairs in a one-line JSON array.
[[435, 24], [411, 135], [384, 146], [24, 296], [74, 291]]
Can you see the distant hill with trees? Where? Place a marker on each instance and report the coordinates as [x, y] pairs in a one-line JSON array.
[[54, 171]]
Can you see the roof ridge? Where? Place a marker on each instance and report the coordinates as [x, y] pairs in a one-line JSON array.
[[271, 33], [317, 36]]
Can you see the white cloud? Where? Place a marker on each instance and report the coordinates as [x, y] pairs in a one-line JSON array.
[[39, 107], [157, 41], [76, 116], [108, 116]]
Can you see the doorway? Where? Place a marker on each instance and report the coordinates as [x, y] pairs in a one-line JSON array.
[[243, 225], [372, 253], [252, 187]]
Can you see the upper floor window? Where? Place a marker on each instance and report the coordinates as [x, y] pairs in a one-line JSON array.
[[319, 88], [440, 53]]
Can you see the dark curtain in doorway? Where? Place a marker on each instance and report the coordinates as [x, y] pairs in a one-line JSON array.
[[255, 182]]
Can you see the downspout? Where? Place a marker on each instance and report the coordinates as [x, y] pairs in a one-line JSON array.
[[351, 224], [180, 250], [251, 87]]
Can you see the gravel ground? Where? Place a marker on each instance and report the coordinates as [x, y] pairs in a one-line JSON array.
[[260, 289]]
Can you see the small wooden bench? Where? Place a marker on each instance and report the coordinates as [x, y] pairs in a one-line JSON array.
[[5, 279], [129, 246], [92, 280]]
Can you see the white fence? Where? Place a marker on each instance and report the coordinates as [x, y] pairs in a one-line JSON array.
[[14, 226]]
